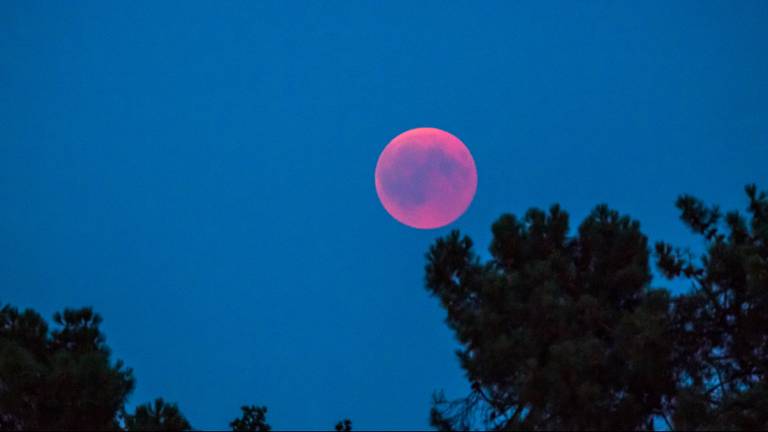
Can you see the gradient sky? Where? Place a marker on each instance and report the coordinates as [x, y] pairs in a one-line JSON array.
[[203, 175]]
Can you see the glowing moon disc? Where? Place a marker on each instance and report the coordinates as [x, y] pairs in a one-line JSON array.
[[426, 178]]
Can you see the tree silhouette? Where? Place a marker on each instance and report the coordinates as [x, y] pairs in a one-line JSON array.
[[721, 325], [344, 426], [254, 419], [58, 381], [562, 332], [159, 416], [556, 332]]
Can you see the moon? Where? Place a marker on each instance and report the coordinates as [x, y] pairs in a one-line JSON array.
[[426, 178]]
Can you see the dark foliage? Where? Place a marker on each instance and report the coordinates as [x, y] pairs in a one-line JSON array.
[[63, 379], [159, 416], [59, 381], [254, 419], [721, 325], [565, 332], [557, 332], [344, 425]]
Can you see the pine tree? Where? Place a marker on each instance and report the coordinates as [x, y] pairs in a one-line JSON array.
[[158, 416], [721, 325], [254, 419], [344, 426], [556, 331], [59, 381]]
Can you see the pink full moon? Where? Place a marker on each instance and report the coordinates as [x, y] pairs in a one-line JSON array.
[[426, 178]]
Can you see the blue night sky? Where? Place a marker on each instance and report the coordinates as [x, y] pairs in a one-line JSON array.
[[203, 175]]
